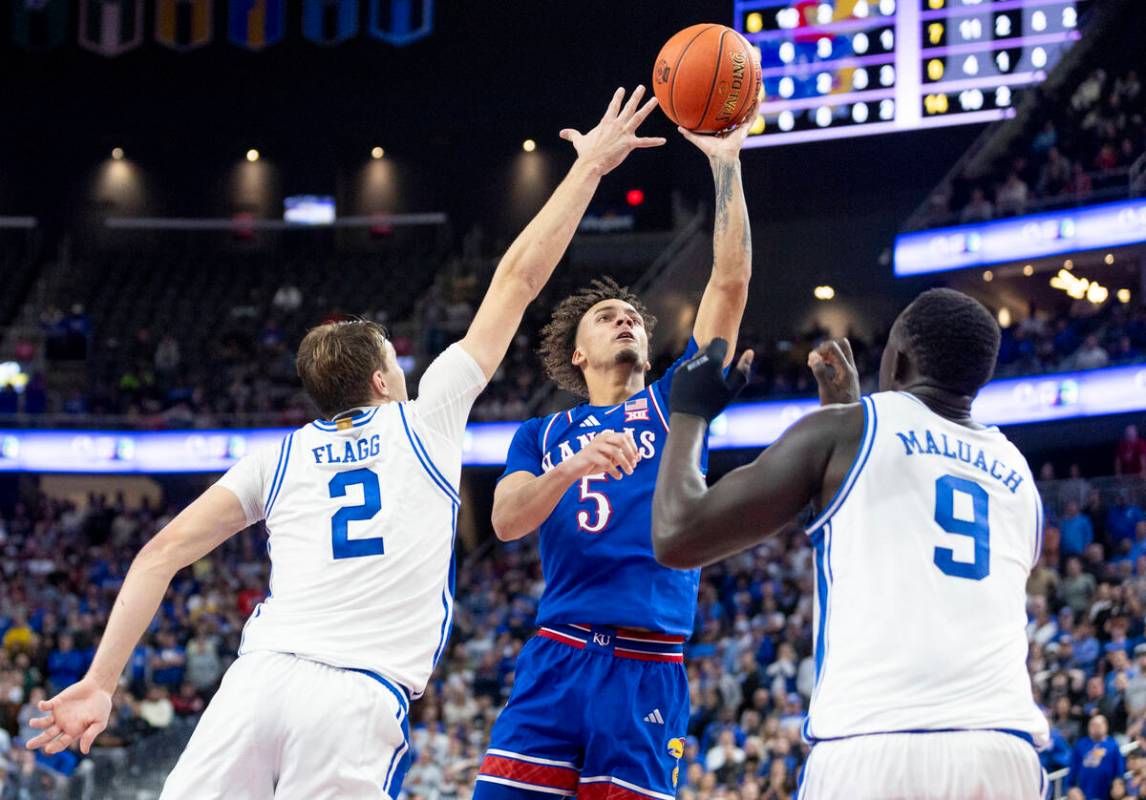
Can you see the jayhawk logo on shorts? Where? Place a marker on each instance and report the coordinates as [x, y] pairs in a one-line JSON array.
[[676, 750]]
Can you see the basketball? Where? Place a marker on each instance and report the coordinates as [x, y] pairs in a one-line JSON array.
[[706, 78]]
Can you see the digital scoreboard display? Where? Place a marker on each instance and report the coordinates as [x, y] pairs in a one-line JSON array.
[[839, 68]]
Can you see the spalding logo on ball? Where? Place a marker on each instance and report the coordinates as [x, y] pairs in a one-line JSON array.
[[706, 78]]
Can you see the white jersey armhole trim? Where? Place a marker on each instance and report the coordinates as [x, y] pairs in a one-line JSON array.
[[870, 423], [423, 456], [280, 475]]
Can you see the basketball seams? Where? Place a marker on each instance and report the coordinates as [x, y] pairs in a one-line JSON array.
[[715, 77], [676, 68]]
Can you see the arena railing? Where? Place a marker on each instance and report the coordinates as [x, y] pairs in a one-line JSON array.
[[1056, 494]]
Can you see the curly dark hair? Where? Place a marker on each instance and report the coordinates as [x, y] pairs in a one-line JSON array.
[[955, 339], [559, 337]]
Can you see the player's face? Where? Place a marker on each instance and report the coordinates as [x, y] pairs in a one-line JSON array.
[[612, 333]]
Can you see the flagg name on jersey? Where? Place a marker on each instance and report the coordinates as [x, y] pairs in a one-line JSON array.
[[646, 446], [348, 452], [927, 443]]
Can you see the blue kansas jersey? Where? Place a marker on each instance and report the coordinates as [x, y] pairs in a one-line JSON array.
[[596, 546]]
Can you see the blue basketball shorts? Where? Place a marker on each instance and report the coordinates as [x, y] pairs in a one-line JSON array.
[[596, 712]]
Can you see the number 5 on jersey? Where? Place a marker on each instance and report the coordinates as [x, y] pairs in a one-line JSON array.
[[603, 511], [343, 546]]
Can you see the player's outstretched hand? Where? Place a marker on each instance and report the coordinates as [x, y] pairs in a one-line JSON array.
[[609, 453], [835, 369], [723, 146], [615, 136], [77, 714], [700, 386]]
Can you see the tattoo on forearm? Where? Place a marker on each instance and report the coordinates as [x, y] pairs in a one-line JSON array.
[[725, 174]]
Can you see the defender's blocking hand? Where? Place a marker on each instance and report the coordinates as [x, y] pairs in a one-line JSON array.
[[615, 136]]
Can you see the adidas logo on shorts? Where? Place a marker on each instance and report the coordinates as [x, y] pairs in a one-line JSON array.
[[655, 717]]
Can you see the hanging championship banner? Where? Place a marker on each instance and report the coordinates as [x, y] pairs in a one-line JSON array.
[[329, 21], [39, 24], [401, 22], [183, 24], [110, 27], [255, 24]]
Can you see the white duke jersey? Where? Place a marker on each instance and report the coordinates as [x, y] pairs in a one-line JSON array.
[[360, 516], [922, 560]]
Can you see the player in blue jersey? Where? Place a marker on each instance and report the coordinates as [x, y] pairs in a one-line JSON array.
[[600, 702]]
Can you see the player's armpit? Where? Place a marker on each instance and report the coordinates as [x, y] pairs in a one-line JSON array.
[[694, 525]]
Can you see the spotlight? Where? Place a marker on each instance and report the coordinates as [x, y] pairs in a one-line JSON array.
[[1124, 296], [252, 155], [1028, 270], [529, 145], [824, 292], [635, 197], [117, 153], [377, 153]]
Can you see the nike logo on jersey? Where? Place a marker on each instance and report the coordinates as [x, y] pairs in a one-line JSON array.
[[590, 422], [655, 717]]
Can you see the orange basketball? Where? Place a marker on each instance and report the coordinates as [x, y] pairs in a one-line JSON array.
[[706, 78]]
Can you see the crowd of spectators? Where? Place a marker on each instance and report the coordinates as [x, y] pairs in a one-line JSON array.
[[250, 377], [749, 660], [1079, 149]]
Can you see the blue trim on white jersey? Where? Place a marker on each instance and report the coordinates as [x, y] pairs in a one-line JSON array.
[[448, 592], [275, 477], [1026, 737], [822, 542], [1038, 528], [360, 419], [281, 476], [399, 693], [394, 777], [427, 464], [867, 440]]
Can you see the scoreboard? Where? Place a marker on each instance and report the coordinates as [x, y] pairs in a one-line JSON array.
[[841, 68]]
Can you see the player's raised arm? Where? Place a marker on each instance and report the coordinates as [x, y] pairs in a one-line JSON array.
[[722, 305], [80, 712], [530, 260], [694, 525]]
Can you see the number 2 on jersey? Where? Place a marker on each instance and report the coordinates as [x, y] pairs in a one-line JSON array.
[[345, 547], [978, 527]]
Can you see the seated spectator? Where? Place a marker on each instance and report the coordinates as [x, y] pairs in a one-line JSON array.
[[1055, 174], [1096, 761], [1012, 197], [979, 209], [1122, 519], [1077, 532], [1091, 355], [1080, 186], [156, 709], [1130, 454]]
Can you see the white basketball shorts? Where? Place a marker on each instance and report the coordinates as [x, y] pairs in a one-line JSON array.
[[955, 765], [287, 728]]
